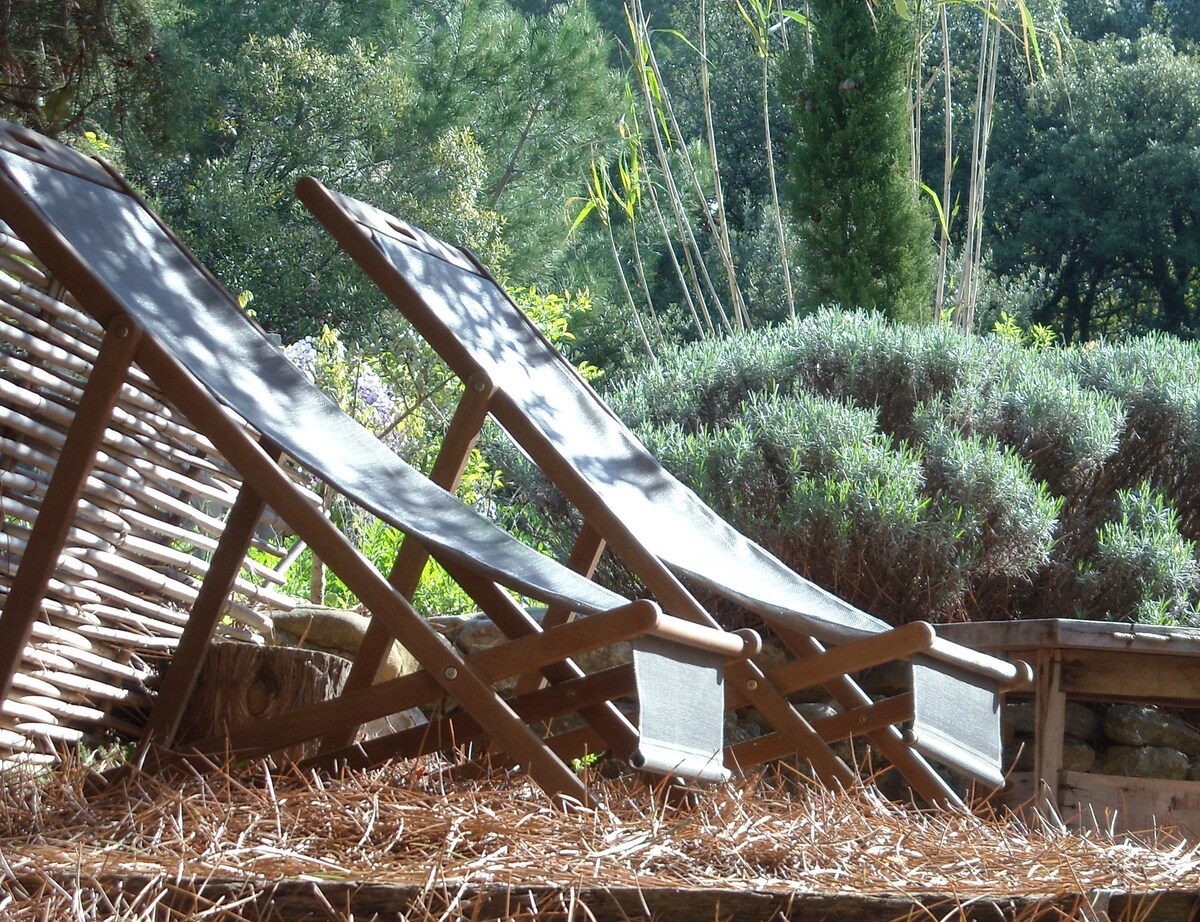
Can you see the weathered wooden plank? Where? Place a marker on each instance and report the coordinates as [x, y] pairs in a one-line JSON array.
[[1069, 632], [44, 456], [59, 710], [1126, 676], [109, 617], [89, 688], [148, 526], [292, 900], [1132, 804], [63, 373], [106, 593], [1050, 707], [23, 266]]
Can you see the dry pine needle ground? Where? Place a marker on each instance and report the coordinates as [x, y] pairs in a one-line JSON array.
[[408, 824]]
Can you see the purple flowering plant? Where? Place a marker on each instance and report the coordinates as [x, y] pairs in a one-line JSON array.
[[377, 390], [349, 377]]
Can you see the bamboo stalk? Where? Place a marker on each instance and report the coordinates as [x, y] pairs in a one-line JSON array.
[[718, 223], [947, 165], [692, 254], [985, 95]]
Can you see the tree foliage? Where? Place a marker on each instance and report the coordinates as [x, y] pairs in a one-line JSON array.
[[537, 94], [1094, 20], [865, 241], [65, 61], [467, 118], [276, 111], [1097, 191]]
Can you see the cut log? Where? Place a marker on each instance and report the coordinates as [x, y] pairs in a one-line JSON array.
[[240, 682]]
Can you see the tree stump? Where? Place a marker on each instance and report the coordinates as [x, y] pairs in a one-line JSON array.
[[242, 682]]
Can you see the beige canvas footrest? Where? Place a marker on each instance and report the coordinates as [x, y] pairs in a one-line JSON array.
[[682, 695]]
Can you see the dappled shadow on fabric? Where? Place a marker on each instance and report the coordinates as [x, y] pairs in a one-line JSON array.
[[186, 312], [544, 391]]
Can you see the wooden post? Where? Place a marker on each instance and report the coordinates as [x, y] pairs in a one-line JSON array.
[[1050, 719], [49, 533], [242, 683]]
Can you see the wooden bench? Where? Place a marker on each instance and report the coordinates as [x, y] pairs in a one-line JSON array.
[[1092, 661]]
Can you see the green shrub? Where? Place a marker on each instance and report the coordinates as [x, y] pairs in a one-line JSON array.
[[924, 473], [1143, 569], [1067, 432], [901, 530], [1155, 378], [852, 514], [707, 389], [891, 368], [1006, 519]]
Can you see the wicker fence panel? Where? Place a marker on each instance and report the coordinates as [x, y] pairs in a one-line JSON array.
[[151, 515]]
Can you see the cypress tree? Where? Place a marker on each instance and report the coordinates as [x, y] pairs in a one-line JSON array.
[[866, 239]]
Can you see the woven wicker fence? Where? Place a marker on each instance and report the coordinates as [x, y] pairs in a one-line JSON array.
[[151, 516]]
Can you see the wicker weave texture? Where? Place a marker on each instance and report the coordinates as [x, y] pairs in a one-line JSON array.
[[150, 518]]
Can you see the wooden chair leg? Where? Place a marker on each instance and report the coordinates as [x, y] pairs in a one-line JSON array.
[[832, 729], [584, 557], [514, 622], [846, 692], [805, 741], [448, 669], [459, 729], [188, 658], [744, 677], [448, 469], [49, 533]]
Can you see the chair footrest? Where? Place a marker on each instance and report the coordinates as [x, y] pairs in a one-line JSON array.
[[682, 698], [942, 696]]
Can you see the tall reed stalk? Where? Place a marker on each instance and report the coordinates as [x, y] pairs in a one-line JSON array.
[[686, 198], [762, 19], [985, 100], [995, 24]]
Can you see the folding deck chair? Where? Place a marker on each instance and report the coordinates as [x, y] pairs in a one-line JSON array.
[[164, 312], [664, 533]]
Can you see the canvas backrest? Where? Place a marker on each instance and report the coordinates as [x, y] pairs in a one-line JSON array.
[[148, 275], [476, 327]]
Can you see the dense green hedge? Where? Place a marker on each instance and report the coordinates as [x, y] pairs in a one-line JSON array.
[[923, 473]]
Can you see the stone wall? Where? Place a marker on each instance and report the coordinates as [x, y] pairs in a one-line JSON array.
[[1119, 739]]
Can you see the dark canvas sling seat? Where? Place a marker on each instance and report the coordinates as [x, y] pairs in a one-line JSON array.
[[164, 312], [667, 535]]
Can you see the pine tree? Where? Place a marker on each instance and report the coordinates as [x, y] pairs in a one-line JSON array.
[[866, 240]]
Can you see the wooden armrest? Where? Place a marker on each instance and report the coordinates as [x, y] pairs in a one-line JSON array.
[[731, 644], [847, 659], [1008, 676]]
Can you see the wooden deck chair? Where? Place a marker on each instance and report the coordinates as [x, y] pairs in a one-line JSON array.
[[666, 535], [164, 312]]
